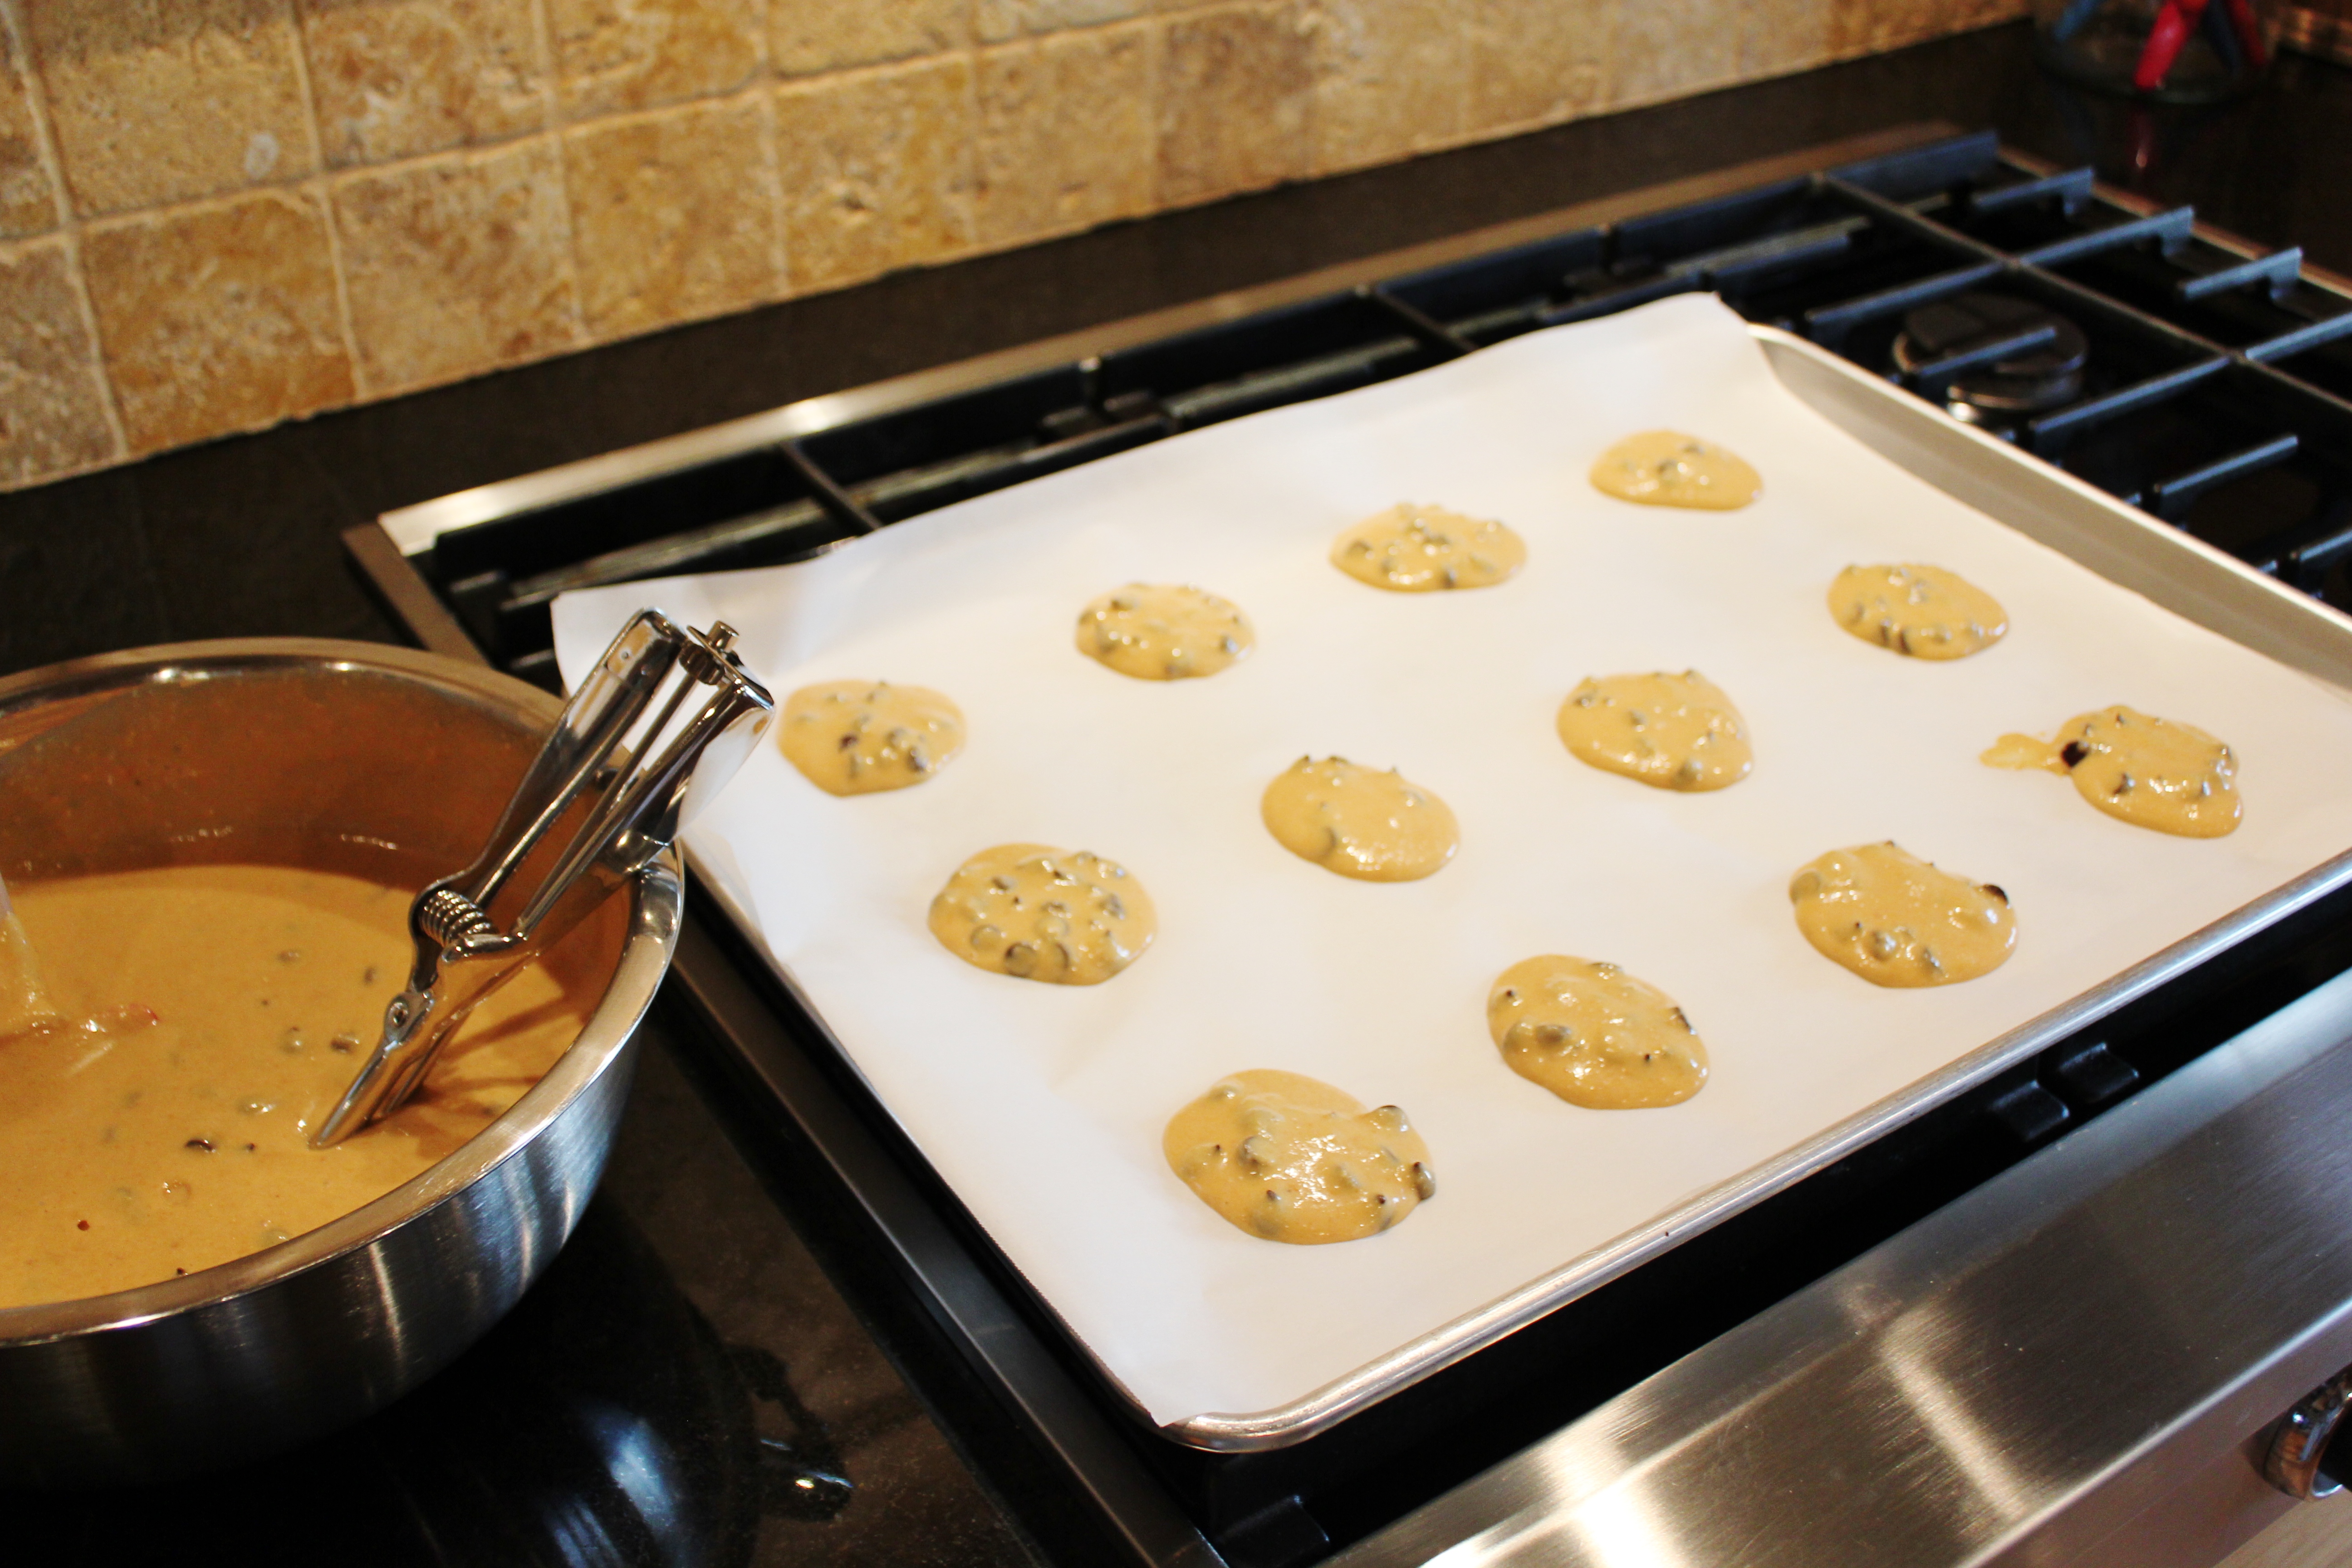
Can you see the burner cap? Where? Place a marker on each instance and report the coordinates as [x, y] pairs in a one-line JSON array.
[[2043, 370]]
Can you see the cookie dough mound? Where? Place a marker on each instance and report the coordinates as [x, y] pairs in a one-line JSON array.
[[1922, 611], [1069, 918], [2151, 772], [1290, 1158], [1164, 631], [856, 737], [1594, 1036], [1896, 919], [1359, 822], [1411, 549], [1666, 467], [1673, 731]]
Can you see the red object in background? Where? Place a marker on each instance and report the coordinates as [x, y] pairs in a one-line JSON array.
[[2249, 32], [2173, 25]]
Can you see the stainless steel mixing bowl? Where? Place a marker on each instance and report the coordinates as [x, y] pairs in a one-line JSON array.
[[337, 756]]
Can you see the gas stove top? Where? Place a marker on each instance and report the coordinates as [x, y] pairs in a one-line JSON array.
[[2178, 370]]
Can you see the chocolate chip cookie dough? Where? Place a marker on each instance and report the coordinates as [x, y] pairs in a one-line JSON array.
[[1359, 822], [1164, 632], [1922, 611], [1666, 467], [1411, 549], [2152, 772], [1069, 918], [1896, 919], [1290, 1158], [856, 737], [1594, 1035], [1673, 731]]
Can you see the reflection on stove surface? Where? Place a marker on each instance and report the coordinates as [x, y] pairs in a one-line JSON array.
[[603, 1422]]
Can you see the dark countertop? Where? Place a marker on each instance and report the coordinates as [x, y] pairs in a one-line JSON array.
[[689, 1365]]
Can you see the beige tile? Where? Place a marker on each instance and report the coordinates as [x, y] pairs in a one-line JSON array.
[[1065, 136], [1671, 49], [155, 101], [875, 169], [395, 79], [1873, 26], [52, 406], [1234, 87], [217, 318], [998, 21], [635, 54], [1391, 78], [673, 216], [1538, 62], [457, 265], [28, 201], [807, 37]]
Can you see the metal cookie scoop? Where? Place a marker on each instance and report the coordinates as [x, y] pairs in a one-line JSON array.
[[619, 762]]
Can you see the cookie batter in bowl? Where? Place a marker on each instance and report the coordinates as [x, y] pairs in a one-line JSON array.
[[208, 1017]]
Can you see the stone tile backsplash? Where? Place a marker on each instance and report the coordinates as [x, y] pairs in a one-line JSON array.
[[216, 214]]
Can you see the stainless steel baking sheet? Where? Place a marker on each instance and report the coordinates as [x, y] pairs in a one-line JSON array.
[[1041, 1106]]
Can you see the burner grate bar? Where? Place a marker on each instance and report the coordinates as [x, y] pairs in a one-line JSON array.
[[844, 507], [2071, 187], [1434, 334], [1610, 300], [2069, 422], [902, 495], [1735, 261], [670, 554], [1847, 314], [1292, 383], [2325, 329], [1985, 350], [2171, 498], [2172, 228], [1898, 216], [2276, 273]]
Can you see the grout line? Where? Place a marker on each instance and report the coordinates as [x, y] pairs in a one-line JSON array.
[[319, 188], [542, 39], [300, 39], [779, 252], [67, 229], [558, 143]]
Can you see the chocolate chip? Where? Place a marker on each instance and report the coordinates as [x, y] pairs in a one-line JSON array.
[[2072, 754], [204, 1144]]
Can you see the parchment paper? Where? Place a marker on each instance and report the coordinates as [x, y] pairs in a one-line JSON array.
[[1043, 1105]]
